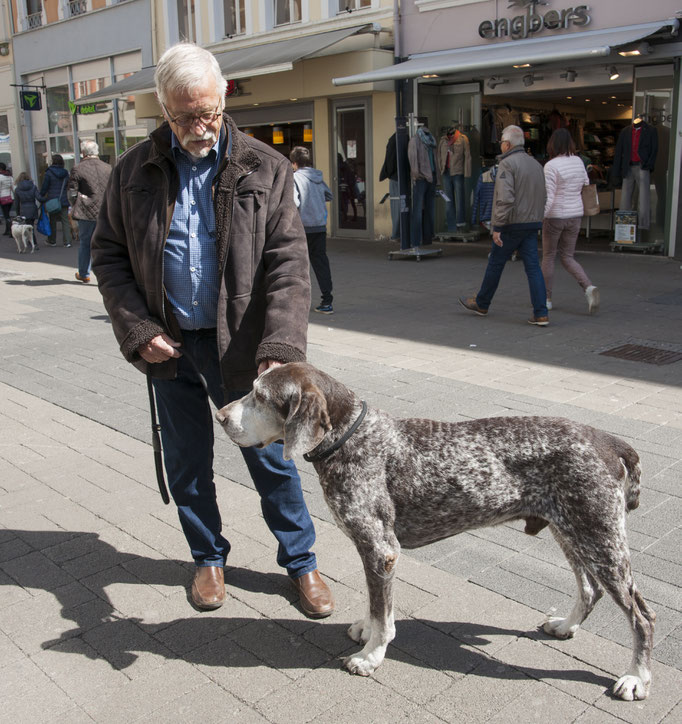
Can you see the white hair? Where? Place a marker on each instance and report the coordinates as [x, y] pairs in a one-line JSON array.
[[89, 148], [184, 67], [514, 135]]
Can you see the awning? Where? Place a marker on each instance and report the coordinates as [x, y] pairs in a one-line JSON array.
[[591, 44], [239, 63]]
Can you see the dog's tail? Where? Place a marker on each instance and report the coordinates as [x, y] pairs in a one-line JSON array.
[[629, 459]]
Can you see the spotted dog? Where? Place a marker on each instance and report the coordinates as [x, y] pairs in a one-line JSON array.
[[393, 484], [23, 235]]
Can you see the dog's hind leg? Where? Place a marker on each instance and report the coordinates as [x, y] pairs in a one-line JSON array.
[[589, 592], [377, 629]]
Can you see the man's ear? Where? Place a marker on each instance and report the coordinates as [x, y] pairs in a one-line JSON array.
[[306, 423]]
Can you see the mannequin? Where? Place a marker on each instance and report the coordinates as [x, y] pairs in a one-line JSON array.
[[634, 161], [421, 153], [454, 164]]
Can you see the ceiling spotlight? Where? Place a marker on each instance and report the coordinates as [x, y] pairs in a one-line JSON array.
[[522, 65], [642, 49], [570, 75], [495, 81], [529, 79], [613, 73]]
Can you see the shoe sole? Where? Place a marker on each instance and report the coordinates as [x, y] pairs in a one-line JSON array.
[[538, 324], [322, 311], [483, 313]]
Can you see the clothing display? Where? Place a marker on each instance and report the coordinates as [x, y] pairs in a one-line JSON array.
[[421, 153], [454, 164], [482, 208], [634, 161]]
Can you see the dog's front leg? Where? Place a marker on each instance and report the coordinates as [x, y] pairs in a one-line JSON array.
[[377, 629]]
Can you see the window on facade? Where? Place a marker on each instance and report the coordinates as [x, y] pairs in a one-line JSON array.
[[235, 17], [76, 7], [287, 11], [34, 14], [5, 153], [187, 29], [346, 5], [58, 112]]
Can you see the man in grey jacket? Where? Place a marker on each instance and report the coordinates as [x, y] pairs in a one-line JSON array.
[[201, 258], [518, 208]]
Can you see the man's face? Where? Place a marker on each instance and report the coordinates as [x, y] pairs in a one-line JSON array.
[[197, 138]]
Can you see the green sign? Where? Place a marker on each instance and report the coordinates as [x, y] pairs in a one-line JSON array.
[[30, 100], [88, 109]]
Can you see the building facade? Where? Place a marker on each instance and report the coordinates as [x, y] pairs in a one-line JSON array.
[[477, 65]]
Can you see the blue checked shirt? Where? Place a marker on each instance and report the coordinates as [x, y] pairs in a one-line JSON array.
[[190, 259]]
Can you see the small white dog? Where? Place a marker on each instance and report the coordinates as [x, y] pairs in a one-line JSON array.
[[23, 235]]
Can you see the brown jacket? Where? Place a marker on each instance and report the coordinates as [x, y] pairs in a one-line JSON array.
[[264, 296], [87, 184]]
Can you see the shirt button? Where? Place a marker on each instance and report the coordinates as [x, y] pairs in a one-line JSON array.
[[192, 268], [193, 202], [194, 168], [193, 235], [196, 304]]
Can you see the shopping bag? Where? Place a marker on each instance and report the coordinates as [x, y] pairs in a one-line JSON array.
[[44, 222], [590, 200]]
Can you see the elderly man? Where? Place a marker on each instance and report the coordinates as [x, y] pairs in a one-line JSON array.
[[87, 184], [518, 208], [202, 261]]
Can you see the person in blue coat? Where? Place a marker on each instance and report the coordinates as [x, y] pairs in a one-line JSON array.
[[54, 186]]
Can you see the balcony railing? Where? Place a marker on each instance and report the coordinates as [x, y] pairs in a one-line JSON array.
[[76, 7], [34, 20]]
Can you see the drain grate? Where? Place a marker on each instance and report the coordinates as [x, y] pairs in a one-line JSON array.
[[643, 353]]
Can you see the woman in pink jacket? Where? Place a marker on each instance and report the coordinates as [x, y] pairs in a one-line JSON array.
[[565, 177]]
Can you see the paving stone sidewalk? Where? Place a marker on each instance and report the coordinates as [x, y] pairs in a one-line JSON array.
[[94, 619]]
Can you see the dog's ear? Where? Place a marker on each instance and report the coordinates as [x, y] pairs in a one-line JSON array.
[[307, 421]]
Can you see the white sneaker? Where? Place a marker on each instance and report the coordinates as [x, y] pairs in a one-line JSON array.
[[592, 294], [549, 304]]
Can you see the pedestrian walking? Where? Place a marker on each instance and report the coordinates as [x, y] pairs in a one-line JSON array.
[[311, 195], [565, 176], [86, 187], [6, 196], [518, 205], [26, 200], [214, 284], [53, 191]]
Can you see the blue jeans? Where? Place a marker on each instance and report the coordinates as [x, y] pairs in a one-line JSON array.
[[187, 436], [85, 229], [526, 243], [423, 212], [453, 186]]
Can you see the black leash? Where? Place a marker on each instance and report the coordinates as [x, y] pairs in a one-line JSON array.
[[312, 456], [156, 427]]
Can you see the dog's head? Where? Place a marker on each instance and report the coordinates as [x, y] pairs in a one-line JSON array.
[[19, 220], [285, 403]]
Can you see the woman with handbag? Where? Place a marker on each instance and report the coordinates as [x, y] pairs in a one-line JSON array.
[[53, 191], [565, 177], [6, 196], [26, 200]]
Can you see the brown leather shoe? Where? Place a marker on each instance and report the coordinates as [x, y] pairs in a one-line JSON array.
[[208, 587], [314, 595]]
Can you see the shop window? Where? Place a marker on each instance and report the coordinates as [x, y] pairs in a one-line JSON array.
[[235, 17], [5, 153], [40, 154], [287, 11], [58, 113], [64, 146], [187, 29]]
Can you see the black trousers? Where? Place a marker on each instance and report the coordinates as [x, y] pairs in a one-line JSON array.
[[317, 253]]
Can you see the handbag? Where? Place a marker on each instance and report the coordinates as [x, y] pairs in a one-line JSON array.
[[55, 204], [590, 200], [44, 226], [5, 200]]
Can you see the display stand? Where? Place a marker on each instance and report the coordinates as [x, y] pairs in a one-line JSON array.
[[627, 236], [464, 236]]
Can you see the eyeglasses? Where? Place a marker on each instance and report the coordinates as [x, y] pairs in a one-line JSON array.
[[185, 120]]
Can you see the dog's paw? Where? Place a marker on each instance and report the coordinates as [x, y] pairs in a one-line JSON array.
[[359, 632], [359, 665], [630, 688], [560, 628]]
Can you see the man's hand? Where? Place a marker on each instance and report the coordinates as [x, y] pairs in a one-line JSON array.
[[159, 349], [497, 238], [266, 364]]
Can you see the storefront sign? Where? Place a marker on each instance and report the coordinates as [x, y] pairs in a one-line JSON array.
[[88, 109], [30, 100], [521, 26]]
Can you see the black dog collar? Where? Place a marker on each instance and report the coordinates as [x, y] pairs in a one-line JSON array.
[[313, 455]]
